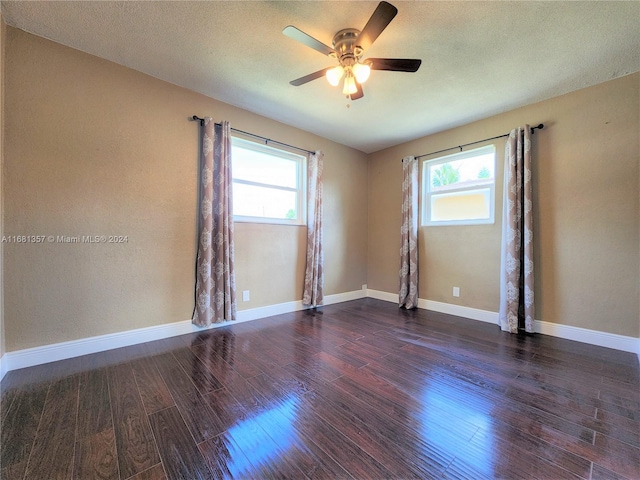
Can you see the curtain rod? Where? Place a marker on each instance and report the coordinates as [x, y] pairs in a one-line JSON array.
[[265, 139], [538, 127]]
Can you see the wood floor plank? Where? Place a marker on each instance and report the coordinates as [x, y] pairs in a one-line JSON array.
[[615, 455], [269, 351], [610, 453], [153, 391], [180, 456], [471, 398], [410, 411], [52, 454], [323, 466], [600, 473], [617, 426], [315, 336], [353, 359], [613, 399], [210, 356], [7, 396], [19, 427], [278, 417], [547, 380], [296, 373], [94, 410], [154, 473], [135, 444], [201, 421], [348, 331], [398, 449], [204, 380], [241, 390], [266, 459], [630, 412], [225, 458], [326, 366], [285, 440], [481, 468], [96, 457], [226, 407], [14, 471], [528, 451], [621, 389], [387, 345], [343, 450]]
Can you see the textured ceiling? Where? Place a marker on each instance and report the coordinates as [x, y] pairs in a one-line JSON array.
[[478, 58]]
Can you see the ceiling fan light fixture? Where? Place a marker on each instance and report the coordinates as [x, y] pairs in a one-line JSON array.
[[361, 72], [349, 85], [334, 75]]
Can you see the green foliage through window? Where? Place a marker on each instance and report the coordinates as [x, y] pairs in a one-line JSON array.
[[484, 173], [445, 175]]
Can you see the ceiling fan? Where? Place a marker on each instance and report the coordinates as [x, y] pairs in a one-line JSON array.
[[349, 46]]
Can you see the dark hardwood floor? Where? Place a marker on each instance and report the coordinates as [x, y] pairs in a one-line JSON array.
[[356, 390]]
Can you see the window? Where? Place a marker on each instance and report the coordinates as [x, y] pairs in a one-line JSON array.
[[459, 189], [268, 184]]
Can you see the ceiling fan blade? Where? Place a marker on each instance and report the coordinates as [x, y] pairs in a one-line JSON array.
[[307, 78], [308, 40], [359, 93], [381, 17], [395, 64]]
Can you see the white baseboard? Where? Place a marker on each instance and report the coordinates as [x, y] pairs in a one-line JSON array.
[[3, 367], [460, 311], [578, 334], [380, 295], [30, 357], [280, 308], [344, 297], [593, 337]]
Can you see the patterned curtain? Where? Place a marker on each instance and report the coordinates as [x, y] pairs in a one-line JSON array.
[[516, 271], [314, 274], [408, 296], [215, 276]]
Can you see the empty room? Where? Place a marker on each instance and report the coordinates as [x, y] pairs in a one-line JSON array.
[[319, 240]]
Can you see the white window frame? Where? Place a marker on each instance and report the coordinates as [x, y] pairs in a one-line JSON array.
[[427, 193], [300, 189]]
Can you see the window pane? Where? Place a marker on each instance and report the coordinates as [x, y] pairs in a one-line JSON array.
[[458, 189], [261, 167], [462, 173], [467, 205], [254, 201]]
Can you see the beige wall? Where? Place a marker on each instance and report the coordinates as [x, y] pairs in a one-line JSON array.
[[587, 218], [93, 148]]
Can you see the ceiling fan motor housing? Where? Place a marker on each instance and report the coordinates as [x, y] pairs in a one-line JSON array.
[[344, 43]]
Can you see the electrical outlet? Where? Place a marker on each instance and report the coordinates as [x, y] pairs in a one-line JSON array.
[[364, 286], [456, 291], [245, 296]]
